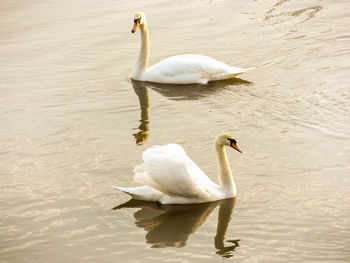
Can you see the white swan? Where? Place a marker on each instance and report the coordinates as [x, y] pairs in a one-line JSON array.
[[169, 176], [181, 69]]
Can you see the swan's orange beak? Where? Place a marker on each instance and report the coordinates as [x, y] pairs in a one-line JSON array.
[[136, 25], [234, 146]]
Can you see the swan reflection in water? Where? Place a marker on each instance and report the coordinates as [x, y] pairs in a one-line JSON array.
[[142, 93], [174, 92], [171, 225]]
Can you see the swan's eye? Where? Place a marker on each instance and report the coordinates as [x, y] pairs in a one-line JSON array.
[[232, 141], [137, 20]]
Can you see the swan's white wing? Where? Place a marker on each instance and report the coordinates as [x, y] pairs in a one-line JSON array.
[[190, 68], [168, 169]]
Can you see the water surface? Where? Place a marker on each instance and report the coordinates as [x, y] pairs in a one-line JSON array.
[[72, 125]]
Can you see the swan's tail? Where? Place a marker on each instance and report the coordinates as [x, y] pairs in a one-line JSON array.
[[144, 192], [248, 69], [232, 74], [128, 190], [238, 71]]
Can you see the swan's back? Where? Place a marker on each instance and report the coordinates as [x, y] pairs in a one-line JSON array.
[[168, 169], [190, 68]]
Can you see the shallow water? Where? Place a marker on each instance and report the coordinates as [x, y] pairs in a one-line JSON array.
[[72, 125]]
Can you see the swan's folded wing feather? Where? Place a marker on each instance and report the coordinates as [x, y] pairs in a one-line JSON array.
[[168, 169]]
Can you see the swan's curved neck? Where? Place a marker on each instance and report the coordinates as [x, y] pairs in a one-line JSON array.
[[225, 176], [142, 61]]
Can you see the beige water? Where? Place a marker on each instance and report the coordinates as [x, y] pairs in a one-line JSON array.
[[72, 125]]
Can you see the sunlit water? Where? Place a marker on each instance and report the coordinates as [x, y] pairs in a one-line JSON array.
[[72, 125]]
